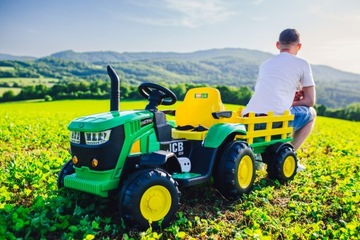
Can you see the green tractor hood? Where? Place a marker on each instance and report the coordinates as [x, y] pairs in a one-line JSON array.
[[104, 121]]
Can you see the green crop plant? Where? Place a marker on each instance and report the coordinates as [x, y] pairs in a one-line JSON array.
[[322, 202]]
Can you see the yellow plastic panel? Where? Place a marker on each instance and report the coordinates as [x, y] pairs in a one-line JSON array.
[[198, 106]]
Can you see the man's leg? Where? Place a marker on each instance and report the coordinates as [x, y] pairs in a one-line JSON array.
[[300, 135], [303, 124]]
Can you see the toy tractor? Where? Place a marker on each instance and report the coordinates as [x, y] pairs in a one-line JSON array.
[[144, 159]]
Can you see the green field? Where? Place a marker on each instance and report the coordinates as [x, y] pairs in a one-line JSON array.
[[14, 89], [7, 69], [21, 81], [322, 202]]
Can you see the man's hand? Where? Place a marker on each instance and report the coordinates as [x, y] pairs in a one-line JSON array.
[[305, 97], [299, 95]]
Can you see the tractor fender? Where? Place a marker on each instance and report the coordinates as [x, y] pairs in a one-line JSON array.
[[275, 148], [160, 158], [219, 132]]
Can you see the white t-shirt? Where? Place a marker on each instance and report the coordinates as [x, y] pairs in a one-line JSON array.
[[277, 83]]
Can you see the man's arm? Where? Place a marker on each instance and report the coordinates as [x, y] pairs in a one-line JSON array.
[[307, 98]]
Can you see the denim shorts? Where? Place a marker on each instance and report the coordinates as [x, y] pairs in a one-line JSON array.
[[302, 116]]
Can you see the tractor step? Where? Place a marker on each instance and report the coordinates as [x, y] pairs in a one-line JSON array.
[[185, 175], [190, 179]]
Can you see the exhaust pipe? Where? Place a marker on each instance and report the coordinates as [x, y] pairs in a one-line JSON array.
[[115, 89]]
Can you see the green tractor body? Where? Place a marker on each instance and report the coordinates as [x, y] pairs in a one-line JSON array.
[[143, 159], [100, 146]]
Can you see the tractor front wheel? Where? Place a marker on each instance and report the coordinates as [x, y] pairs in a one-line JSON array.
[[149, 198], [67, 169], [235, 174]]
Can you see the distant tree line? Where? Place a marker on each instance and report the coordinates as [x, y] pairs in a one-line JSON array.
[[100, 90], [351, 112]]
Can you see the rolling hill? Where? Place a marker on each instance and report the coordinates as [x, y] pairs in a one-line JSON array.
[[230, 66]]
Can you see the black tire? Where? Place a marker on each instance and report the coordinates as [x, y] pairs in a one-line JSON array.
[[235, 174], [67, 169], [150, 195], [283, 165]]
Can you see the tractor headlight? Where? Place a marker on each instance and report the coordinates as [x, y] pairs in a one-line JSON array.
[[96, 138], [94, 162], [75, 160], [75, 137]]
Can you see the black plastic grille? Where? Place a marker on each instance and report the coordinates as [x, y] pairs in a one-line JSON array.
[[107, 154]]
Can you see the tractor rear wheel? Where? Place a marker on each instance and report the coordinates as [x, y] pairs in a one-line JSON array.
[[283, 165], [235, 173], [148, 198], [67, 169]]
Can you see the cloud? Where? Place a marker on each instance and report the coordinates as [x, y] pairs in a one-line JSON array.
[[258, 2], [346, 17], [259, 18], [186, 13]]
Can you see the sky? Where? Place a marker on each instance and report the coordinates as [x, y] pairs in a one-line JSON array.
[[330, 29]]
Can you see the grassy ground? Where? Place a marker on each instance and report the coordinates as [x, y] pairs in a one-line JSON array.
[[322, 202]]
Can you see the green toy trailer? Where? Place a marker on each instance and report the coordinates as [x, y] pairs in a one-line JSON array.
[[143, 159]]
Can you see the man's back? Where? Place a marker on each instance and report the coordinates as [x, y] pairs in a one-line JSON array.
[[277, 83]]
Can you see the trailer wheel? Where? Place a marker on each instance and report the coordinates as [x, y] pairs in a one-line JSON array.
[[67, 169], [235, 173], [149, 198], [284, 164]]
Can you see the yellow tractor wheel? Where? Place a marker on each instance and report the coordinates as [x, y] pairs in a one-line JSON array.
[[235, 173], [148, 198]]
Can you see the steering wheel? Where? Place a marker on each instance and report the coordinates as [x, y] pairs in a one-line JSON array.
[[156, 94]]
